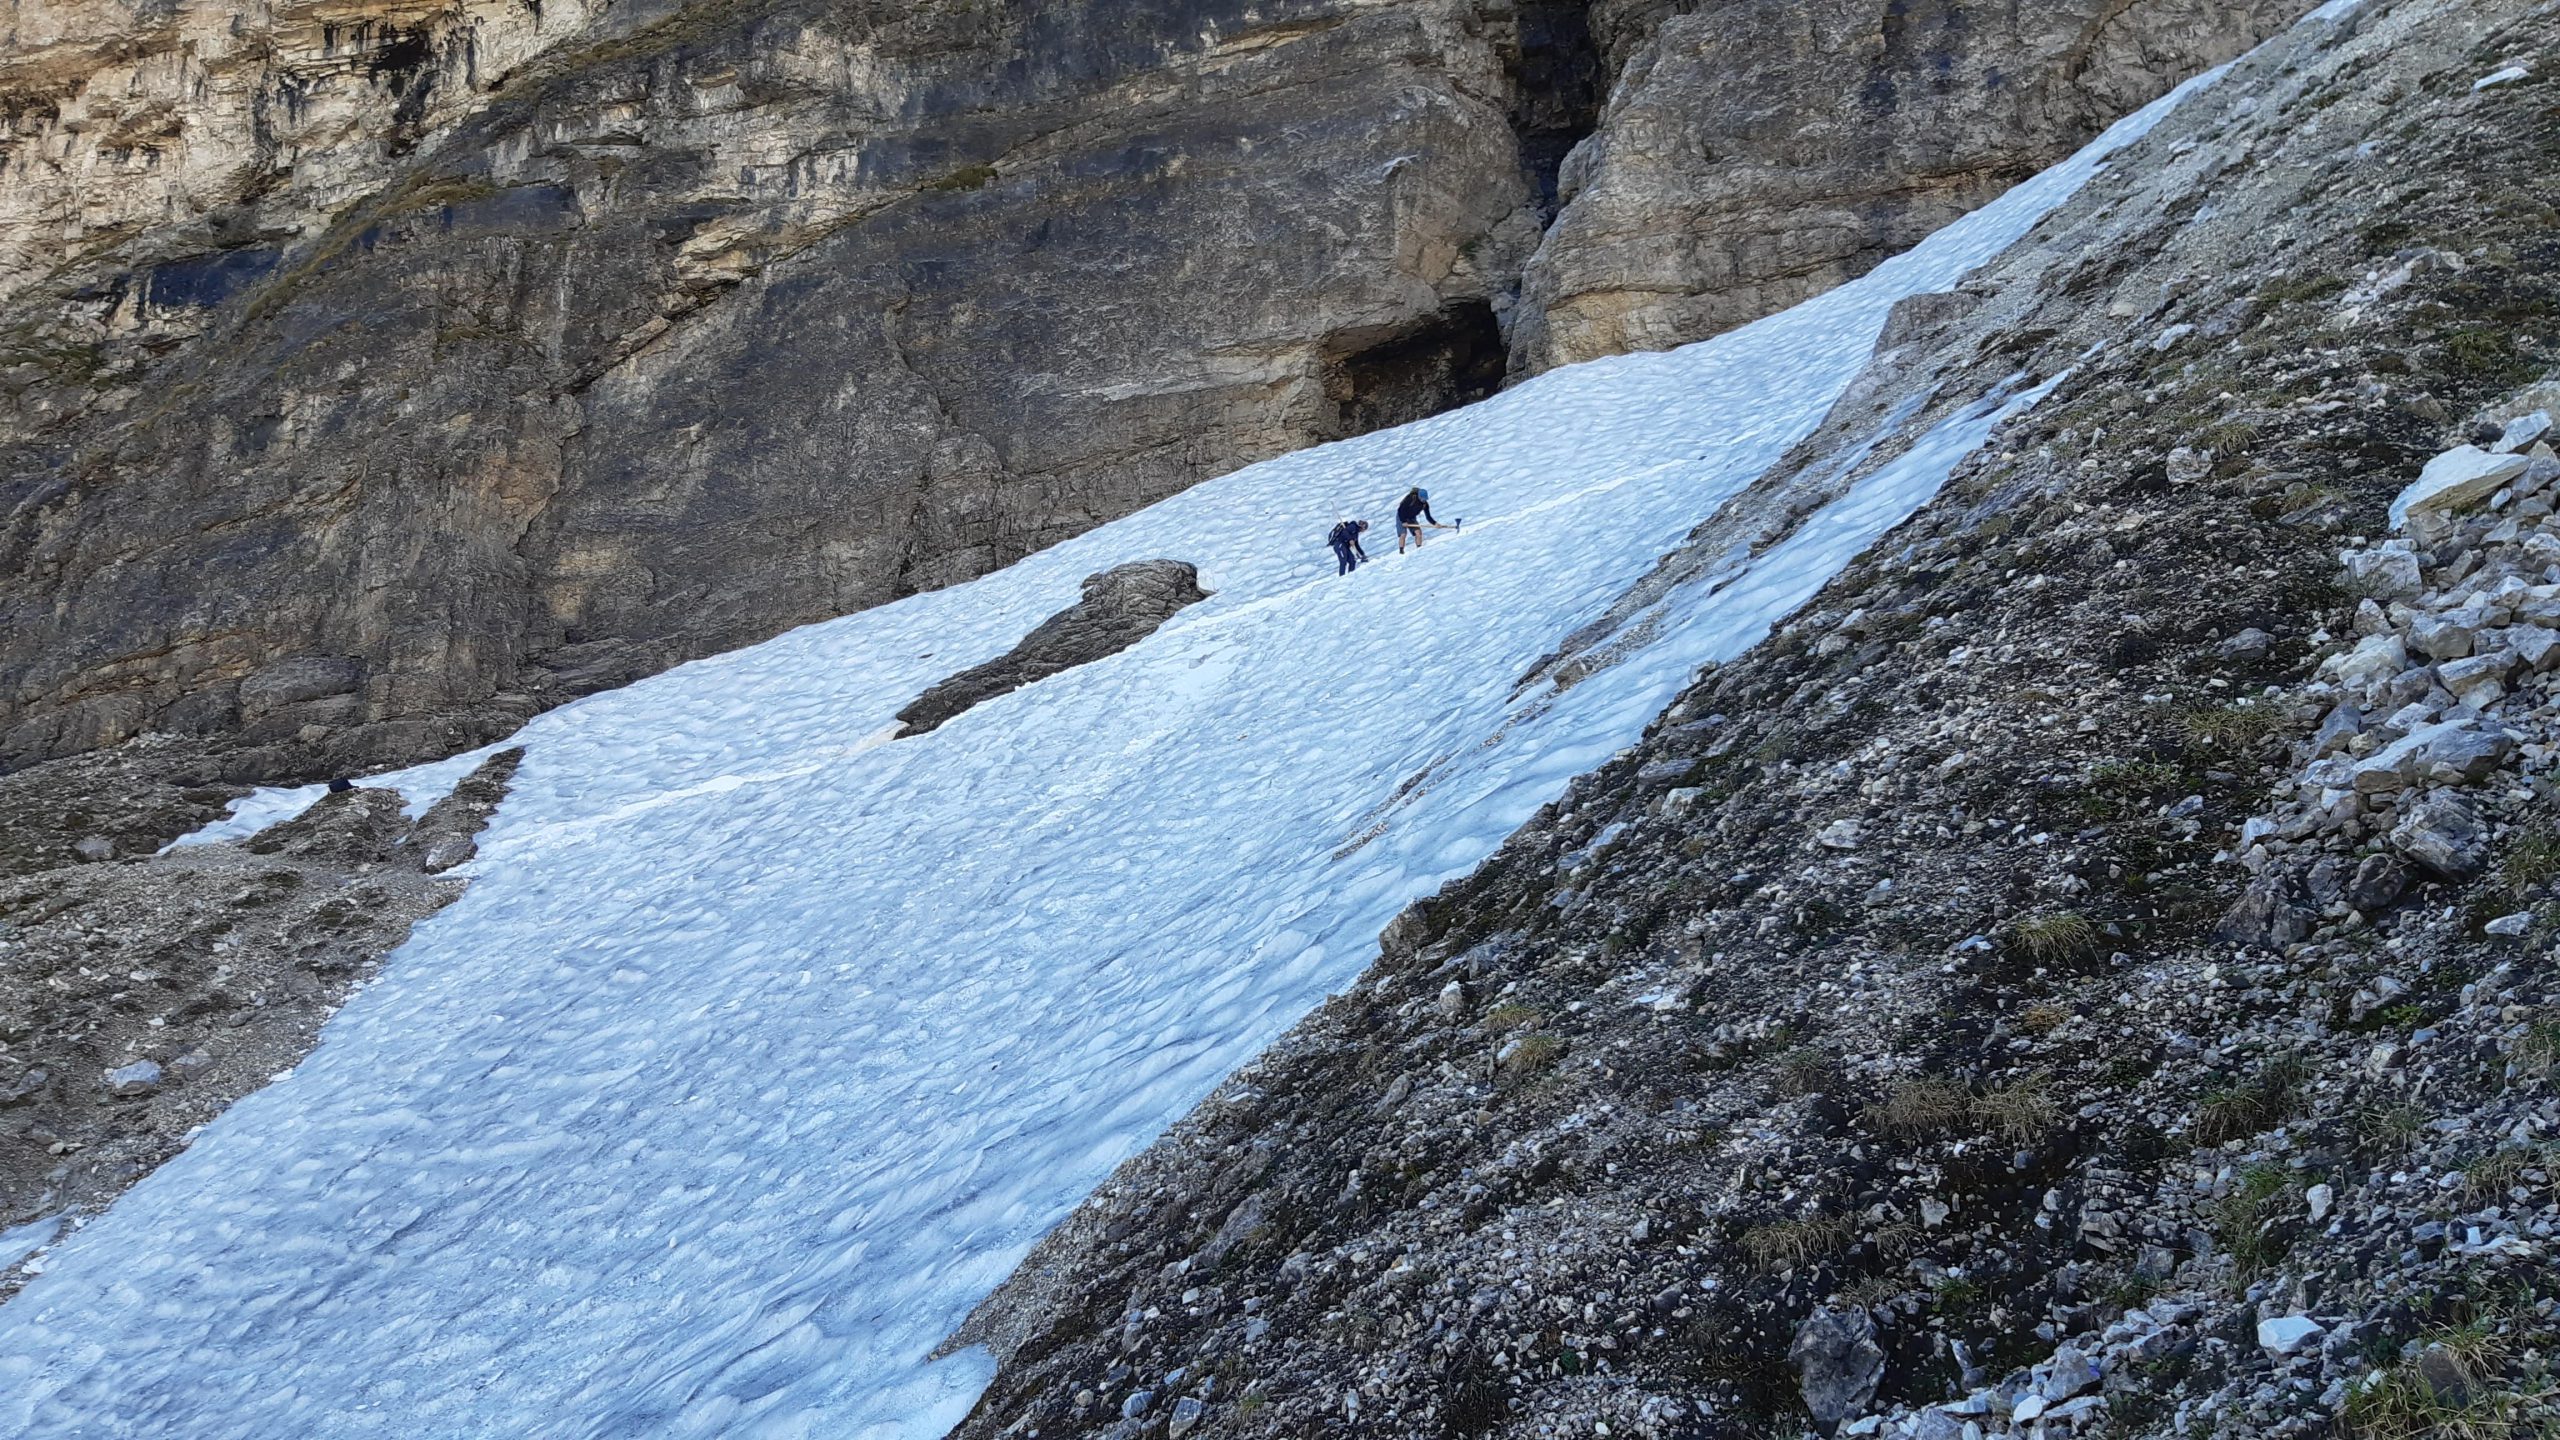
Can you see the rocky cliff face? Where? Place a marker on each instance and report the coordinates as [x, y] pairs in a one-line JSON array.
[[376, 375], [1758, 152]]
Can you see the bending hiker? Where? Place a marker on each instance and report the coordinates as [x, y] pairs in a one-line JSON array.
[[1345, 539], [1411, 511]]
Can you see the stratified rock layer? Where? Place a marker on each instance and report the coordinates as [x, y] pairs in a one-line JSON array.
[[1759, 152]]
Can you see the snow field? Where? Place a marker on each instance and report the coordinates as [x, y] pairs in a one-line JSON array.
[[762, 1047]]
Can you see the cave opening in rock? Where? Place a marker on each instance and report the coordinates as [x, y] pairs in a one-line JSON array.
[[1376, 379], [1557, 85]]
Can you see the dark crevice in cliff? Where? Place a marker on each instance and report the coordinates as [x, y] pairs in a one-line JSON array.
[[1379, 378], [1558, 82]]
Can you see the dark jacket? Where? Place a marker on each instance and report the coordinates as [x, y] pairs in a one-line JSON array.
[[1412, 505], [1345, 536]]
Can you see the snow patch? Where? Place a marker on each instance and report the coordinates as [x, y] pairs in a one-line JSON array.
[[20, 1241], [420, 788]]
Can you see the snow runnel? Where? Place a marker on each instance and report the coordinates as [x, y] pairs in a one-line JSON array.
[[759, 1050]]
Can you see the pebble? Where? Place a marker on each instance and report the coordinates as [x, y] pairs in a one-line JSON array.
[[2288, 1334], [142, 1077]]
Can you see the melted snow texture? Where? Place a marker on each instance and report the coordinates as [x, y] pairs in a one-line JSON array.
[[761, 1050]]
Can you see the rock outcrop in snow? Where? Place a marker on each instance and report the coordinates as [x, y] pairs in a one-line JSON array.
[[1119, 607]]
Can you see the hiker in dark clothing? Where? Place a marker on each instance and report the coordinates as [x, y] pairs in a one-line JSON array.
[[1411, 511], [1345, 539]]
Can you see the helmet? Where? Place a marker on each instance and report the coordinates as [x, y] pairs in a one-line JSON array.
[[1421, 493]]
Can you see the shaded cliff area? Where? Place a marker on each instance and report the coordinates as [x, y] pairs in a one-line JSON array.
[[371, 380]]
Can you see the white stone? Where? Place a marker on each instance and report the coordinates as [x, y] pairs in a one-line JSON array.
[[139, 1078], [2478, 679], [2536, 646], [2375, 659], [2322, 1197], [2457, 478], [2442, 637], [2073, 1371], [2288, 1334], [2515, 924], [2522, 431], [1839, 835], [2386, 571], [2449, 752]]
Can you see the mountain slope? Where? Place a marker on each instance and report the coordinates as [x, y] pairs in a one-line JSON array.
[[2091, 974], [762, 1044]]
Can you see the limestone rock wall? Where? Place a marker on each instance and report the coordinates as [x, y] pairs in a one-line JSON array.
[[756, 315], [183, 130], [1758, 152], [373, 375]]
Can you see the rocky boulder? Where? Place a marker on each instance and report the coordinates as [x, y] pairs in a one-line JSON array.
[[1839, 1362], [2451, 483], [2444, 835]]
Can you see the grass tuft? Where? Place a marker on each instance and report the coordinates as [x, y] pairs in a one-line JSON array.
[[2490, 1177], [2247, 1222], [2055, 936], [2240, 1111], [2021, 1113], [2537, 1053], [2237, 727], [1786, 1244], [2447, 1390], [2391, 1127], [1530, 1054], [1926, 1106], [2530, 865]]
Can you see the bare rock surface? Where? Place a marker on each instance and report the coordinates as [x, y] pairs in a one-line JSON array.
[[123, 803], [1119, 608], [140, 996], [1758, 152]]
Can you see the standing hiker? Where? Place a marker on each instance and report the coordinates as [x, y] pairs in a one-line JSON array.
[[1345, 539], [1411, 511]]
